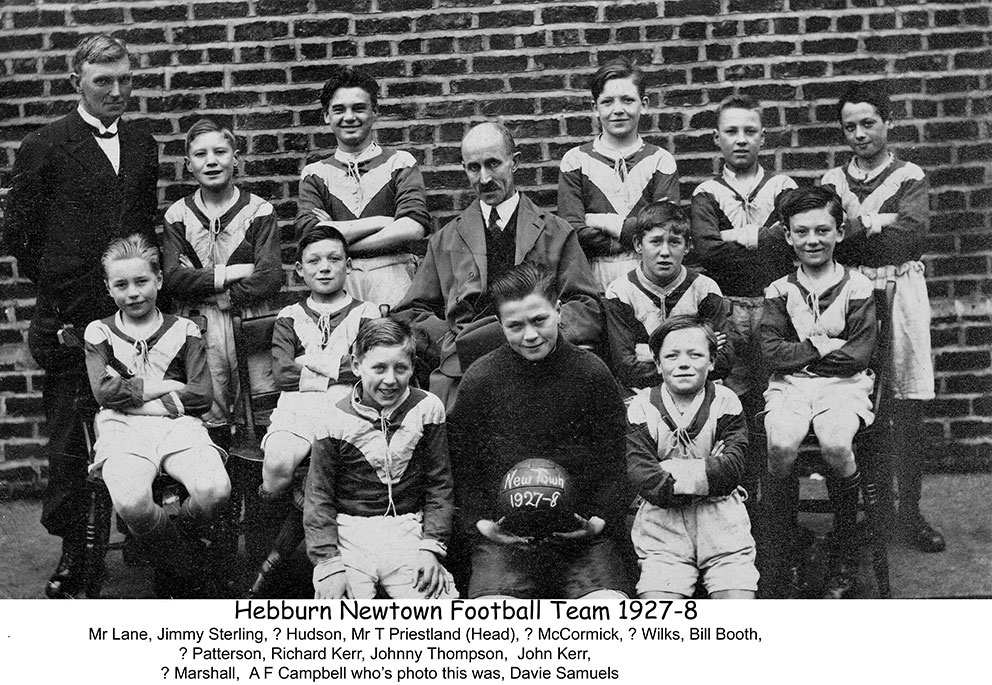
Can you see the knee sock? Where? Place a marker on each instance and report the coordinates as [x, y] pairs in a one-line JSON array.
[[781, 506], [272, 510], [907, 424], [145, 526], [843, 492]]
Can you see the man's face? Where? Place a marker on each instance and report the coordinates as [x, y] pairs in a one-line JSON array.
[[662, 253], [739, 136], [488, 165], [619, 108], [351, 118], [864, 130], [684, 361], [814, 235], [105, 88], [323, 266], [531, 326]]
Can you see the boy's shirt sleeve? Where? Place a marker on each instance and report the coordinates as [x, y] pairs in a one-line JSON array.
[[715, 309], [320, 514], [724, 473], [286, 348], [780, 346], [716, 255], [186, 283], [649, 479], [572, 208], [262, 238], [113, 385], [904, 239], [581, 312], [196, 397], [625, 335], [439, 499], [410, 195], [613, 492], [859, 335], [313, 194]]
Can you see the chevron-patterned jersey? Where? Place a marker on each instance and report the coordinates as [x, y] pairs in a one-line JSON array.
[[590, 181], [899, 188]]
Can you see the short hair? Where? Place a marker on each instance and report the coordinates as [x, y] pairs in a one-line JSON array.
[[98, 49], [808, 198], [679, 323], [740, 101], [664, 214], [508, 142], [349, 77], [874, 93], [134, 246], [315, 235], [618, 68], [209, 126], [523, 280], [385, 332]]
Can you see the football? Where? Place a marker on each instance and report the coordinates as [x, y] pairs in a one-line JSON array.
[[536, 499]]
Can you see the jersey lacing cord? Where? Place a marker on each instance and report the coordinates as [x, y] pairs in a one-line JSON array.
[[324, 325], [140, 357], [389, 468], [813, 302], [681, 441], [357, 178]]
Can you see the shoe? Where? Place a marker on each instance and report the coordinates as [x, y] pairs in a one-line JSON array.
[[70, 574], [842, 583], [923, 536]]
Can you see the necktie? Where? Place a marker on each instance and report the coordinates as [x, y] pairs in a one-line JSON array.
[[493, 226], [106, 134]]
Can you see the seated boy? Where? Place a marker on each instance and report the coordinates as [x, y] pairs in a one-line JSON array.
[[888, 213], [605, 182], [540, 396], [686, 446], [639, 301], [378, 504], [311, 364], [817, 336], [373, 195]]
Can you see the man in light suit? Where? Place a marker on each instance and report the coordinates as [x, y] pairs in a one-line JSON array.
[[448, 303], [78, 183]]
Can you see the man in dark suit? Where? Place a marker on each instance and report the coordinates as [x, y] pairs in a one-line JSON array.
[[78, 183], [448, 303]]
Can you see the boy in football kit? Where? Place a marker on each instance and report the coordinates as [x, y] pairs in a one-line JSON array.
[[373, 195], [817, 335], [887, 208], [604, 183]]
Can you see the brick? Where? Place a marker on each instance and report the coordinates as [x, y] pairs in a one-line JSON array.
[[444, 22], [817, 24], [22, 20], [705, 75], [505, 64], [716, 52], [797, 69], [324, 28], [414, 89], [756, 28], [960, 361], [562, 60], [881, 22], [956, 40], [102, 16], [859, 66], [503, 106], [692, 30], [196, 79], [742, 72], [978, 335], [691, 8], [21, 43], [786, 27], [830, 46], [506, 19], [21, 89], [378, 27], [24, 406], [502, 42], [272, 167], [809, 5], [269, 120], [850, 24], [602, 36], [631, 12], [973, 60], [404, 5], [261, 30], [448, 109], [168, 13], [752, 6], [220, 10], [724, 29], [485, 85], [970, 429], [566, 37], [432, 67], [679, 54], [767, 49], [207, 33]]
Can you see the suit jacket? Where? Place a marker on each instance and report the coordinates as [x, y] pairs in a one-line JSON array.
[[441, 302], [66, 204]]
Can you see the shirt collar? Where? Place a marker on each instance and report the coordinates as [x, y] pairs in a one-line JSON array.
[[373, 150], [862, 175], [96, 123], [835, 277], [665, 291], [506, 208], [613, 153]]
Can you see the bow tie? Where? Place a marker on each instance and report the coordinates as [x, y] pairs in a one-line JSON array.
[[106, 134]]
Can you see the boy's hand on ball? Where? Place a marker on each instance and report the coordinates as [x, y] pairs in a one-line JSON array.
[[587, 528], [430, 577], [333, 587], [491, 530]]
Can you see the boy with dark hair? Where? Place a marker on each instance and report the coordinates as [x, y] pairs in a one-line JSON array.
[[378, 504], [817, 335], [540, 396], [604, 183], [686, 448], [660, 287], [373, 195], [886, 203]]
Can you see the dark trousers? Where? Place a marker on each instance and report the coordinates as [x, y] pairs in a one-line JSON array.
[[65, 505]]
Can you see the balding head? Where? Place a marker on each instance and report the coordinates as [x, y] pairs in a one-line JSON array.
[[489, 158]]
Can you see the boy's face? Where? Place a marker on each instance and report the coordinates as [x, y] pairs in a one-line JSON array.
[[134, 287], [385, 372], [864, 130], [351, 118], [211, 160], [531, 326], [684, 361], [323, 268], [619, 108], [814, 235], [104, 87], [739, 136], [662, 253]]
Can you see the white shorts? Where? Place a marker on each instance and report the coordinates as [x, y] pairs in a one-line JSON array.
[[303, 413], [912, 363], [381, 280], [382, 550], [154, 438], [810, 396], [711, 537]]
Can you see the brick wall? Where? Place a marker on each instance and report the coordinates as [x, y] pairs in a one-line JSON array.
[[445, 64]]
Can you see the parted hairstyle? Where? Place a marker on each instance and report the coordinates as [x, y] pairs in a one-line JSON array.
[[873, 92], [98, 49], [315, 235], [620, 67], [664, 214], [679, 323], [349, 77], [808, 198], [387, 332], [521, 281], [740, 101], [134, 246], [209, 126]]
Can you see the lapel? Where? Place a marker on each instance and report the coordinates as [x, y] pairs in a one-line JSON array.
[[82, 146], [473, 234], [529, 228]]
